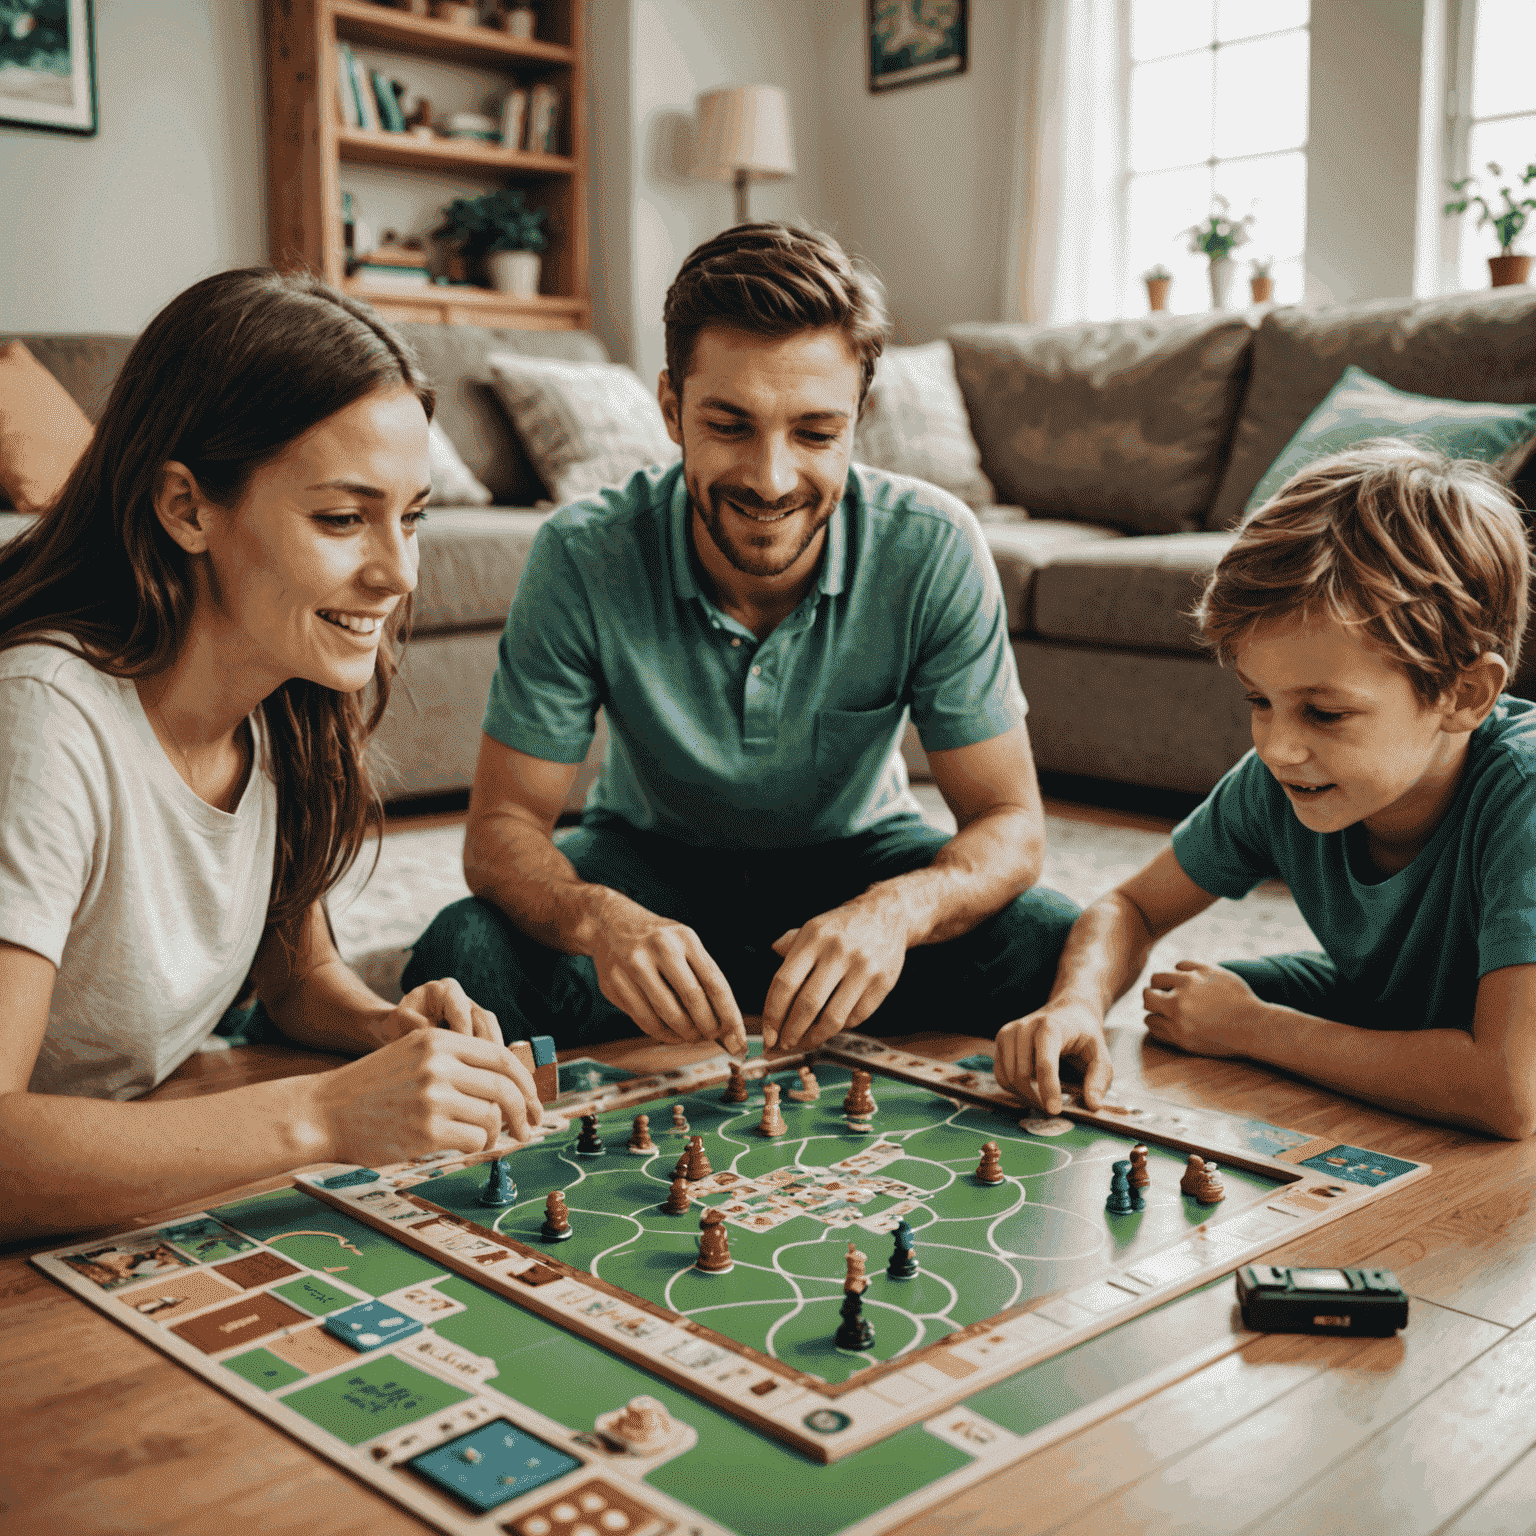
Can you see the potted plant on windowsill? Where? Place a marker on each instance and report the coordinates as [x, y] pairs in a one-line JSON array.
[[1506, 268], [1261, 280], [1215, 238], [503, 230], [1158, 280]]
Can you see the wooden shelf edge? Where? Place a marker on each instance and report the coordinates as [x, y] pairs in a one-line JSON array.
[[367, 146], [360, 21], [437, 293]]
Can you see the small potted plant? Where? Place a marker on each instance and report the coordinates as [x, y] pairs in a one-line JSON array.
[[1215, 238], [1506, 268], [1158, 280], [1261, 281], [505, 231]]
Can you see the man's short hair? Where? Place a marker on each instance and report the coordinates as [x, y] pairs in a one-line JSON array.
[[774, 280], [1426, 556]]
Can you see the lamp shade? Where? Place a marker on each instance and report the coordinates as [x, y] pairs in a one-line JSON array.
[[743, 128]]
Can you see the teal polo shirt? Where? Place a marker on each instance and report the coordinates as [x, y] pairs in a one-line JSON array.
[[724, 741], [1413, 947]]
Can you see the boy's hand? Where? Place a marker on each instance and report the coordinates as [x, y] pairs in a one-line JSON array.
[[1029, 1051], [1204, 1009]]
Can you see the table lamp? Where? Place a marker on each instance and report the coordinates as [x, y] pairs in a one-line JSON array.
[[743, 137]]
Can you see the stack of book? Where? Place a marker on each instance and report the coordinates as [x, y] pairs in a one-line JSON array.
[[543, 135], [365, 97], [393, 266]]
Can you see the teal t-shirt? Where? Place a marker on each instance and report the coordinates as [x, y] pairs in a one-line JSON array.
[[1411, 947], [724, 741]]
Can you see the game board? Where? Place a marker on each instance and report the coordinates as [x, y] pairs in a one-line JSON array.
[[455, 1359]]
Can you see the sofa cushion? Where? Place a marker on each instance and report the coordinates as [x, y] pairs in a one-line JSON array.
[[42, 431], [471, 561], [1124, 423], [454, 358], [1135, 592], [1021, 550], [87, 366], [1468, 347], [452, 483]]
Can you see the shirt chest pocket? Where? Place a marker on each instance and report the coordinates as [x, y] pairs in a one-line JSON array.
[[854, 741]]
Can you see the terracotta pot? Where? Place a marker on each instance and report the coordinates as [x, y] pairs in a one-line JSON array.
[[1157, 292], [1262, 288], [1506, 271]]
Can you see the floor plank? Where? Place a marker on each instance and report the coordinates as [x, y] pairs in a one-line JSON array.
[[1508, 1508]]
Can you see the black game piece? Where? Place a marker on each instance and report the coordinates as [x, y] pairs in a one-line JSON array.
[[903, 1260], [589, 1143], [855, 1332], [499, 1188], [1120, 1202]]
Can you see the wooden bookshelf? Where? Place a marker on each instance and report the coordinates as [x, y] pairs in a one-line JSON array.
[[307, 144]]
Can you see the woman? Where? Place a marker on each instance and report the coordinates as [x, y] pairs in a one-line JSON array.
[[184, 639]]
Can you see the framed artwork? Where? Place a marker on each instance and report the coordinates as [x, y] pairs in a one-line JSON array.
[[48, 65], [913, 40]]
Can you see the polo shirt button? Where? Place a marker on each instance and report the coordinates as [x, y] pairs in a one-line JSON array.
[[736, 642], [757, 671]]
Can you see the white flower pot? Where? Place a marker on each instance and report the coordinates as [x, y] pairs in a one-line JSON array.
[[1223, 271], [514, 272]]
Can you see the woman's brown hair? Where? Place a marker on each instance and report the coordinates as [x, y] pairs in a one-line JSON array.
[[222, 380]]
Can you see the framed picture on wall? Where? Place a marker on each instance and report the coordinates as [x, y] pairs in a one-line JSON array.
[[913, 40], [48, 65]]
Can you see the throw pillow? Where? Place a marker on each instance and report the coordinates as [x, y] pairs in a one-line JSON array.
[[42, 431], [1361, 406], [583, 425], [453, 482], [915, 423]]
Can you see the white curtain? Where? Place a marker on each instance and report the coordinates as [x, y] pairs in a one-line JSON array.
[[1064, 259]]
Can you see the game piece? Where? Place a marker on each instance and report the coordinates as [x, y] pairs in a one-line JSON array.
[[773, 1118], [538, 1056], [1140, 1177], [1209, 1190], [855, 1279], [903, 1260], [1194, 1172], [680, 1167], [640, 1141], [678, 1199], [499, 1188], [557, 1219], [990, 1169], [644, 1428], [714, 1248], [589, 1143], [698, 1161], [679, 1121], [736, 1089], [1120, 1202], [860, 1102], [809, 1090], [855, 1332]]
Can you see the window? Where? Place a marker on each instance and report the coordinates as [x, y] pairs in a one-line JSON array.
[[1492, 115], [1218, 105]]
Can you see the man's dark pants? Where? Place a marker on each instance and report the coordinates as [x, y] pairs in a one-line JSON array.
[[738, 904]]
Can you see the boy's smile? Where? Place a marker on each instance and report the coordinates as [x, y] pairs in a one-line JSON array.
[[1347, 737]]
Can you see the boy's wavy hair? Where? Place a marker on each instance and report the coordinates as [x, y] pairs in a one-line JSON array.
[[222, 380], [774, 280], [1427, 557]]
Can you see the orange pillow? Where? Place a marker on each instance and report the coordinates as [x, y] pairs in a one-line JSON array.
[[42, 431]]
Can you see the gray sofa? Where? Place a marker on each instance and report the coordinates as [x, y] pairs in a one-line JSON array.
[[1133, 444]]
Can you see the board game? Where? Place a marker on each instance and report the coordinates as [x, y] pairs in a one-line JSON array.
[[911, 1291]]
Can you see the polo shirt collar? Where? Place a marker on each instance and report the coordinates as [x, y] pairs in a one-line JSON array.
[[834, 555]]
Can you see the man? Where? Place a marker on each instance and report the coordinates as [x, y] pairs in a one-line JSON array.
[[757, 622]]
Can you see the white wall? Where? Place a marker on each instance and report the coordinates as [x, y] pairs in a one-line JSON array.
[[98, 233]]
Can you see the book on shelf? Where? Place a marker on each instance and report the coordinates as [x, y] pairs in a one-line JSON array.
[[380, 276], [362, 88], [514, 117], [346, 99], [543, 120], [390, 115]]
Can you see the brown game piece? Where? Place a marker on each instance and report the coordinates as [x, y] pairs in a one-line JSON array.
[[678, 1200], [557, 1219], [680, 1167], [679, 1121], [736, 1089], [644, 1428], [1194, 1172], [859, 1103], [855, 1279], [809, 1090], [990, 1168], [714, 1248], [640, 1136], [698, 1161], [1140, 1178], [773, 1119], [1209, 1190]]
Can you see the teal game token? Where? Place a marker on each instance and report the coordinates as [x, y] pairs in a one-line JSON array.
[[492, 1464]]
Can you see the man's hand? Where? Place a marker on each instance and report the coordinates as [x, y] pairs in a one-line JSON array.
[[1204, 1009], [660, 974], [838, 968], [1029, 1052]]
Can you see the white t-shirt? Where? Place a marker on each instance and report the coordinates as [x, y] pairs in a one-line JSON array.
[[149, 901]]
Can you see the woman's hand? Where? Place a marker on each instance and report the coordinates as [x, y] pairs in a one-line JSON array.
[[438, 1004], [1030, 1050]]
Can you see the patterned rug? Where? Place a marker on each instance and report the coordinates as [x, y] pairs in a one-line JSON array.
[[378, 918]]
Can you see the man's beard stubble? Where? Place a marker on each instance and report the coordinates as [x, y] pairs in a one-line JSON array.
[[740, 555]]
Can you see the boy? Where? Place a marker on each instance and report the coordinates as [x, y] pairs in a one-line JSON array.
[[1374, 610]]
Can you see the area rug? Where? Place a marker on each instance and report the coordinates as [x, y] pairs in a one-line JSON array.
[[379, 912]]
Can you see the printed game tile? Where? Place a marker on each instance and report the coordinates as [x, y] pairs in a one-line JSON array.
[[1358, 1166], [492, 1465], [370, 1325], [260, 1269], [316, 1295], [381, 1395], [312, 1350], [206, 1240], [596, 1505], [263, 1369], [177, 1294], [127, 1260], [241, 1322]]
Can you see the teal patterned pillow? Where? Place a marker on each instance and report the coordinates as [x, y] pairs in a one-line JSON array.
[[1360, 406]]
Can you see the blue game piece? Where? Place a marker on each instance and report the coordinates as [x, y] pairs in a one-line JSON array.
[[499, 1187], [347, 1180], [543, 1048], [903, 1261], [1120, 1202], [371, 1324]]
